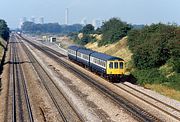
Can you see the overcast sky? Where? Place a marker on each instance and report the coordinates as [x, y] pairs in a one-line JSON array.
[[131, 11]]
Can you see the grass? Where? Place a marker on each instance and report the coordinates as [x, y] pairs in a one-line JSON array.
[[164, 90], [1, 55], [118, 49], [156, 80]]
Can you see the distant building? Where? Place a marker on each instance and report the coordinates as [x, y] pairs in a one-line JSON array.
[[52, 39], [22, 20], [97, 23], [67, 16], [32, 19], [41, 20], [84, 21], [44, 38]]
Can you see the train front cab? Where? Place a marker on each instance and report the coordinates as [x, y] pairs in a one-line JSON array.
[[115, 69]]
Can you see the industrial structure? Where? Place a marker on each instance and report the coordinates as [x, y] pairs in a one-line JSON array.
[[66, 16], [96, 23], [41, 20]]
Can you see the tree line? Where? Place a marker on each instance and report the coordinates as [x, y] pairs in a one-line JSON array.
[[112, 31], [155, 48], [156, 54], [54, 28], [4, 30], [154, 45]]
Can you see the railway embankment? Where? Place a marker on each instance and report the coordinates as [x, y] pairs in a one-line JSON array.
[[4, 57], [121, 49], [3, 50]]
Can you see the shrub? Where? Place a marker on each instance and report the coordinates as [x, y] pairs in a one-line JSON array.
[[88, 29], [85, 39], [154, 45], [174, 81], [113, 30], [149, 76], [4, 30]]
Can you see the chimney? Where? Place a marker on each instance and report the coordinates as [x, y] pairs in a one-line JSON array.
[[66, 16]]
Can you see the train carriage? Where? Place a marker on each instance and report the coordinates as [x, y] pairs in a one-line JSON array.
[[109, 66], [72, 51], [83, 56]]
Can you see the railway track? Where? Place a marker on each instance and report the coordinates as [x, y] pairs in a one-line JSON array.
[[148, 99], [20, 109], [175, 113], [134, 110], [64, 108]]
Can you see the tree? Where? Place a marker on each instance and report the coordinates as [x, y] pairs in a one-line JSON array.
[[154, 45], [30, 27], [84, 40], [4, 30], [174, 46], [88, 29], [113, 30]]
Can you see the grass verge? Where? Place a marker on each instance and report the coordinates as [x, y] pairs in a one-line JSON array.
[[1, 49], [153, 79], [164, 90]]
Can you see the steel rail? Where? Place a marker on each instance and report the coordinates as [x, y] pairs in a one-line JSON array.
[[17, 72]]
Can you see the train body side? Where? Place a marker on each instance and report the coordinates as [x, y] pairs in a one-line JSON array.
[[97, 63], [72, 52], [83, 56], [106, 65]]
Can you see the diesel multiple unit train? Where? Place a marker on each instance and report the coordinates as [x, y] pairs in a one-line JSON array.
[[108, 66]]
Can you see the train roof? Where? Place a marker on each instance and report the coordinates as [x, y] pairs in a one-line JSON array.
[[74, 47], [85, 51], [105, 57], [95, 54]]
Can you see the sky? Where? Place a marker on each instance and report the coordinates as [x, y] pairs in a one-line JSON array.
[[131, 11]]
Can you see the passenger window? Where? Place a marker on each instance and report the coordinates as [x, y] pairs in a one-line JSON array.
[[116, 65], [79, 54], [111, 65], [121, 65]]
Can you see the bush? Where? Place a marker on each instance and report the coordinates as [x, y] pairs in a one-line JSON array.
[[149, 76], [154, 76], [84, 40], [4, 30], [113, 30], [174, 81], [174, 46], [88, 29], [176, 64], [154, 45]]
